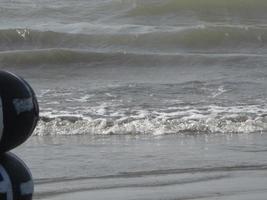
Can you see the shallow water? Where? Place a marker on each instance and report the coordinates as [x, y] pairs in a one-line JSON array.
[[145, 167]]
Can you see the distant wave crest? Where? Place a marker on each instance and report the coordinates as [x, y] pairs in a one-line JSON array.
[[198, 38], [61, 57], [202, 8]]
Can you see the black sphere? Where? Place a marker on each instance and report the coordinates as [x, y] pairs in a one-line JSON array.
[[19, 111], [15, 179]]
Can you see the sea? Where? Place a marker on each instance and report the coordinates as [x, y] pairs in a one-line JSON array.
[[143, 99]]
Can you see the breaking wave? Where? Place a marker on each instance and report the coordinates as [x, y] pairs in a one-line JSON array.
[[213, 119]]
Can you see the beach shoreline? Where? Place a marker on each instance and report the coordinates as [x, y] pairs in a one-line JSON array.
[[205, 166], [150, 100]]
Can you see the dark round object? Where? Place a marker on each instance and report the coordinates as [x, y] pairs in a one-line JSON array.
[[19, 111], [15, 179]]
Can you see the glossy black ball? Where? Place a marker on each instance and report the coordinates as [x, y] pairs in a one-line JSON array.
[[16, 181], [19, 111]]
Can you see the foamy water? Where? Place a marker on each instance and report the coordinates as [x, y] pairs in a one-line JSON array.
[[134, 67], [154, 99]]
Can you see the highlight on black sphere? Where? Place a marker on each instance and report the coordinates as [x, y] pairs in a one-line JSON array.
[[19, 111]]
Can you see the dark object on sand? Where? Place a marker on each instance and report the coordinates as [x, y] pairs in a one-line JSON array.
[[15, 179], [19, 111]]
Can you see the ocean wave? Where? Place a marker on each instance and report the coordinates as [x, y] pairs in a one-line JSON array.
[[50, 56], [155, 39], [193, 121], [202, 8], [62, 57]]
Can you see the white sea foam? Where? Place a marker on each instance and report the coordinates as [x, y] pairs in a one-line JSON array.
[[215, 119]]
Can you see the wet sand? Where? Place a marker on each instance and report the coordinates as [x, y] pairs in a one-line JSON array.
[[148, 167]]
